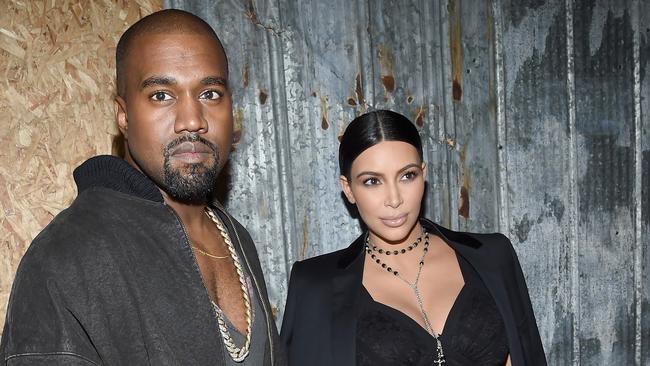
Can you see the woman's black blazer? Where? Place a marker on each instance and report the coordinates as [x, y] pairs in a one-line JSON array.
[[320, 319]]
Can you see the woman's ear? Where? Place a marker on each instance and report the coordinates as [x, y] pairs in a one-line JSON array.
[[345, 186], [424, 169]]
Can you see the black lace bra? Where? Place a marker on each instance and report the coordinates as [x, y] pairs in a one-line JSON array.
[[474, 333]]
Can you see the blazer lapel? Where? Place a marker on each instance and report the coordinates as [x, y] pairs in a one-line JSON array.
[[346, 287], [470, 249]]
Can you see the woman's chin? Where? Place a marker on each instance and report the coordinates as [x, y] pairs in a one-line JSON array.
[[394, 235]]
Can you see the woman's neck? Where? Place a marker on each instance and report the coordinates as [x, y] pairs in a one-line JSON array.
[[414, 234]]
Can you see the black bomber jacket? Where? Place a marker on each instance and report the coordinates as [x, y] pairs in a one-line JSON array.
[[112, 281]]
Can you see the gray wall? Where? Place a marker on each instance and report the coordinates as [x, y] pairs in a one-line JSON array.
[[534, 123]]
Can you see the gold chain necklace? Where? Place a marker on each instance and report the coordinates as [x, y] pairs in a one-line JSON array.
[[237, 354], [208, 254]]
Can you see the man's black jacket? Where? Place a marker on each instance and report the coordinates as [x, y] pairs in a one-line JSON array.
[[112, 281]]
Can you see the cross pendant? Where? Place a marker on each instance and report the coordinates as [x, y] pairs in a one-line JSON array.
[[439, 361]]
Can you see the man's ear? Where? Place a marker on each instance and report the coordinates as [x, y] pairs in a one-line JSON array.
[[120, 115], [345, 186]]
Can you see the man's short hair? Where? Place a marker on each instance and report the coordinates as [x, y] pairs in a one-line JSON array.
[[168, 21]]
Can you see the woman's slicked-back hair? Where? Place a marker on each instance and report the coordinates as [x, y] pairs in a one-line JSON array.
[[371, 128]]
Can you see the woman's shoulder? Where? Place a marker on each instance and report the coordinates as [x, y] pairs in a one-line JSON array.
[[319, 265], [492, 240], [471, 238], [497, 247], [311, 275], [494, 245], [324, 266]]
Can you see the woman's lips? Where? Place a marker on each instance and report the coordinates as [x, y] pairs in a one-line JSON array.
[[394, 221]]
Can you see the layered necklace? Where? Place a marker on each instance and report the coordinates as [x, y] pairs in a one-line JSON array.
[[237, 354], [374, 253]]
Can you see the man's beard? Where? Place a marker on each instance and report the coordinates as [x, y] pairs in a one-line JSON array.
[[194, 183]]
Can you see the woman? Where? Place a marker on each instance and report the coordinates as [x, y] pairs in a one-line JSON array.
[[407, 291]]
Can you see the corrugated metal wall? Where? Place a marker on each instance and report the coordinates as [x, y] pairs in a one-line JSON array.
[[534, 119]]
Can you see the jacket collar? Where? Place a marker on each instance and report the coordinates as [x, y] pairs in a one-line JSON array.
[[117, 174], [353, 252]]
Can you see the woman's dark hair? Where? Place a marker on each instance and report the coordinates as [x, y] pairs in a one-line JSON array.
[[371, 128]]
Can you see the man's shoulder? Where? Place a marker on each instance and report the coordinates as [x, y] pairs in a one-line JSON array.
[[96, 216], [89, 213]]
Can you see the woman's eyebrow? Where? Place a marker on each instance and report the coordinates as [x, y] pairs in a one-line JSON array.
[[409, 166], [368, 172]]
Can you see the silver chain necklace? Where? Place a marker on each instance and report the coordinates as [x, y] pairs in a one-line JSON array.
[[440, 356]]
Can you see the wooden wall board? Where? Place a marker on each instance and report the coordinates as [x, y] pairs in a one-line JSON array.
[[56, 108]]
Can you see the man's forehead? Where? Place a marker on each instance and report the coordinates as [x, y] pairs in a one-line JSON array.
[[176, 58], [156, 42], [151, 49], [129, 53]]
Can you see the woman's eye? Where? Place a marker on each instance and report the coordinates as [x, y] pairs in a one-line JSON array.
[[211, 95], [409, 176], [371, 182], [161, 96]]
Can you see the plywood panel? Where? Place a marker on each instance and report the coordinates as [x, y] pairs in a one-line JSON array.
[[57, 70]]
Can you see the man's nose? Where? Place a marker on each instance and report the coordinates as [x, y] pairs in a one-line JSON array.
[[189, 116]]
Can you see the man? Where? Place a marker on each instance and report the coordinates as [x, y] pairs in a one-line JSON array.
[[142, 269]]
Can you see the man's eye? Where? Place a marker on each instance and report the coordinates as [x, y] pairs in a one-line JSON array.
[[211, 95], [161, 96]]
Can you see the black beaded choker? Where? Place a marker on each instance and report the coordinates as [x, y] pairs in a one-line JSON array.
[[396, 252], [383, 265]]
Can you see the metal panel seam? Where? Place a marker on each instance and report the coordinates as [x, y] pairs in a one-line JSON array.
[[367, 86], [573, 183], [283, 155], [430, 75], [638, 151], [502, 157], [447, 106]]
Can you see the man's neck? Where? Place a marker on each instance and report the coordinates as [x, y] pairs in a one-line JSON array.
[[192, 215]]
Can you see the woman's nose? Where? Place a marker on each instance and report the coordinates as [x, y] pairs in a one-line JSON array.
[[394, 197]]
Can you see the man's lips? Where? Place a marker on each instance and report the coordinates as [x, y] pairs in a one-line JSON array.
[[394, 221], [191, 152], [191, 148]]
